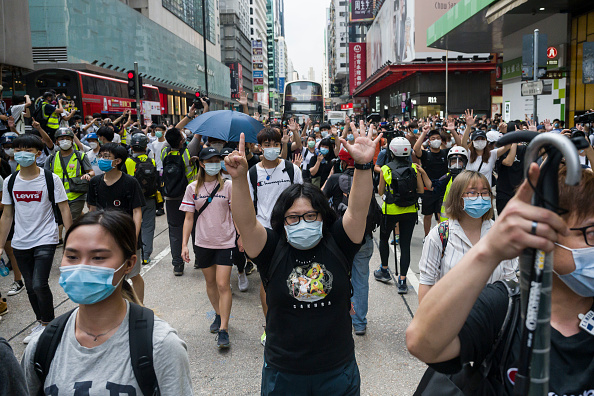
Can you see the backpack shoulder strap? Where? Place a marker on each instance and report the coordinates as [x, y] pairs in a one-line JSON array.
[[209, 200], [444, 235], [142, 321], [279, 254], [49, 181], [336, 251], [290, 170], [48, 344], [10, 185], [253, 173]]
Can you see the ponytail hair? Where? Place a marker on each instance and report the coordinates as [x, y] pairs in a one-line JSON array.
[[121, 227]]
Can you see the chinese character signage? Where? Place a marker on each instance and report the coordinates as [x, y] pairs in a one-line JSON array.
[[236, 73], [281, 85], [258, 65], [361, 10], [335, 90], [357, 65]]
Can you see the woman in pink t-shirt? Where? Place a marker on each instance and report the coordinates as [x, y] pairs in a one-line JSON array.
[[209, 198]]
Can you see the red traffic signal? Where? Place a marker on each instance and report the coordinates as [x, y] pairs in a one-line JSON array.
[[130, 75], [197, 94]]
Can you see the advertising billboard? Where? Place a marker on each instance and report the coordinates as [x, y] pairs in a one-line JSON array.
[[357, 65], [361, 10], [236, 74], [398, 36]]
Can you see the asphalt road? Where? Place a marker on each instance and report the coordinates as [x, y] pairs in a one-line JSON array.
[[386, 366]]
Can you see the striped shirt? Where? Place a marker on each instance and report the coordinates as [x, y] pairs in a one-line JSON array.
[[434, 267]]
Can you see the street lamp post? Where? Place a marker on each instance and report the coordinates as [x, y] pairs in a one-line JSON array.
[[204, 43]]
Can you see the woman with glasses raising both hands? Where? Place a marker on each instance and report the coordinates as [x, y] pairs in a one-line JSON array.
[[469, 206], [305, 263]]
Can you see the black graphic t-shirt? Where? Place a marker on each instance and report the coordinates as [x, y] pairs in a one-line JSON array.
[[125, 194], [571, 358], [308, 326]]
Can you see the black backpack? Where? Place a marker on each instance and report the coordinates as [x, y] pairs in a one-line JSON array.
[[38, 114], [174, 175], [253, 173], [141, 321], [471, 380], [147, 176], [49, 181], [374, 214], [403, 189]]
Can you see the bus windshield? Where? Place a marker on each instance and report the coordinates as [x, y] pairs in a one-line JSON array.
[[303, 91]]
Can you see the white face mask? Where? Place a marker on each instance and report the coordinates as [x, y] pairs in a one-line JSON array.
[[93, 145], [479, 144], [435, 144], [65, 144], [9, 152]]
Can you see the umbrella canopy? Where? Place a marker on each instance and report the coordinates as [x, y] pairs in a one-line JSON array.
[[226, 125]]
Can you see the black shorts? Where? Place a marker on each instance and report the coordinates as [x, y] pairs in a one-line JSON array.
[[430, 204], [208, 257]]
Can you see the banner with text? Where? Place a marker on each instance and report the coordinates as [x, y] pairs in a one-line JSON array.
[[361, 10], [357, 65], [258, 65]]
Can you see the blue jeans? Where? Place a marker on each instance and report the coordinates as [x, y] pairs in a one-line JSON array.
[[342, 381], [360, 282]]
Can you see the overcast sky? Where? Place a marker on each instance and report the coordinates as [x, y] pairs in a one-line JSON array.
[[305, 22]]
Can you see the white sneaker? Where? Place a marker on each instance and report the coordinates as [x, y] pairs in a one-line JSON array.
[[34, 331], [242, 282], [15, 288]]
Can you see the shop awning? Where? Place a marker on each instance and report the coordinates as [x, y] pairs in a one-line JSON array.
[[473, 26], [392, 74]]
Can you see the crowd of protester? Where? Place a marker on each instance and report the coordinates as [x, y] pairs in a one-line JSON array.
[[300, 206]]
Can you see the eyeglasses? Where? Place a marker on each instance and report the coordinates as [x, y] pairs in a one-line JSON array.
[[473, 195], [588, 232], [308, 217]]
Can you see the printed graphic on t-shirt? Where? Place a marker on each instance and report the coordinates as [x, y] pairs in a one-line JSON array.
[[28, 196], [310, 283]]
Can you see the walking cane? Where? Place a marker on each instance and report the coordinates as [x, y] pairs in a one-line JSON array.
[[535, 265]]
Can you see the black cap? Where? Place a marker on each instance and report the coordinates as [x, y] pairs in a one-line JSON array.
[[226, 151], [208, 152], [477, 134]]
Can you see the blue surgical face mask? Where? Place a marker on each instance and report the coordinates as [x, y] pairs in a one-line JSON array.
[[324, 134], [24, 158], [223, 166], [159, 134], [271, 153], [324, 151], [212, 168], [316, 129], [476, 208], [581, 281], [350, 137], [88, 284], [415, 131], [104, 164], [304, 235]]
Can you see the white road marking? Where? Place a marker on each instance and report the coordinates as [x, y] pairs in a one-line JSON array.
[[156, 260], [410, 276]]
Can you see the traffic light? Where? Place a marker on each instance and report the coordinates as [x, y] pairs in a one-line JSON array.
[[132, 89], [131, 84], [408, 104]]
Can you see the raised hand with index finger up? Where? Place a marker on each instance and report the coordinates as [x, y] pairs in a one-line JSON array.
[[236, 163]]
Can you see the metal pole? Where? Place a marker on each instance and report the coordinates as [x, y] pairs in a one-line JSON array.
[[446, 93], [138, 88], [204, 43], [535, 74]]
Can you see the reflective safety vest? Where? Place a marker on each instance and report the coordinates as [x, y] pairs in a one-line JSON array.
[[53, 121], [124, 137], [443, 217], [73, 168], [191, 170]]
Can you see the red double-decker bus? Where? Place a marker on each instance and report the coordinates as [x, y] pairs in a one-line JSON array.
[[92, 93]]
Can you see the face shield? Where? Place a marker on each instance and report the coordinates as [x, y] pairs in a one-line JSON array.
[[456, 164]]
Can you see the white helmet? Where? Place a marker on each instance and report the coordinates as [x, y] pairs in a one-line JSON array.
[[461, 155], [400, 147]]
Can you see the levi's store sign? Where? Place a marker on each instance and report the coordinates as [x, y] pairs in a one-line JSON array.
[[357, 65]]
